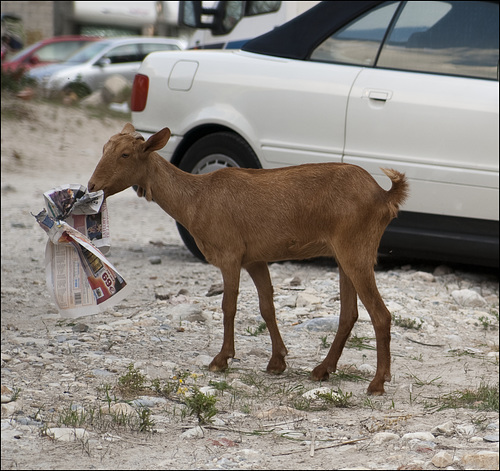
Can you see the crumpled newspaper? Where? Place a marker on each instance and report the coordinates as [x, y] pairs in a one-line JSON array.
[[78, 275]]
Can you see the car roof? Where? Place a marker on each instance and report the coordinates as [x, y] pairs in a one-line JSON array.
[[296, 38]]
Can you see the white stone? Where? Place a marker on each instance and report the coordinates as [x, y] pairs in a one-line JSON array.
[[307, 299], [313, 393], [367, 368], [121, 409], [423, 436], [442, 459], [468, 298], [383, 437], [68, 434], [480, 460], [196, 432]]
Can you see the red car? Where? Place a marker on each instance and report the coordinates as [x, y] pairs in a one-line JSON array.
[[46, 51]]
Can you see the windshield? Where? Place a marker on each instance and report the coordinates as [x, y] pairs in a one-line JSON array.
[[87, 52], [22, 52]]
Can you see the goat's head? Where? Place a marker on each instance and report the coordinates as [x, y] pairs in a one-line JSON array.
[[124, 160]]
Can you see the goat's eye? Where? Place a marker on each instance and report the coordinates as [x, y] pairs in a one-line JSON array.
[[124, 155]]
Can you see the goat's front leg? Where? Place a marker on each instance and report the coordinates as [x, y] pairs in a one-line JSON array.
[[231, 280], [348, 316], [262, 279]]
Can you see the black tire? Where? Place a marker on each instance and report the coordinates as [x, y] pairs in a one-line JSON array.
[[210, 153]]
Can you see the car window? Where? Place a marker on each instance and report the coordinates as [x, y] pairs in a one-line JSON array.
[[458, 38], [359, 42], [124, 53], [147, 48], [87, 52], [58, 51]]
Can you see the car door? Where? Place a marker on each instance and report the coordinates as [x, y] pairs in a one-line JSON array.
[[122, 60], [429, 108]]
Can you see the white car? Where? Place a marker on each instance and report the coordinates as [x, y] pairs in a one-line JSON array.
[[88, 69], [408, 85]]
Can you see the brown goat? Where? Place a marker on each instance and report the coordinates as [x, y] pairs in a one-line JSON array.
[[248, 217]]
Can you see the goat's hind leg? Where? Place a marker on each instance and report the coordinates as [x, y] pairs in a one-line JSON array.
[[348, 317], [231, 278], [262, 279]]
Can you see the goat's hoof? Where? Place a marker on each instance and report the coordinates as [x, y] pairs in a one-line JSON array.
[[276, 367], [375, 389], [320, 373], [217, 366]]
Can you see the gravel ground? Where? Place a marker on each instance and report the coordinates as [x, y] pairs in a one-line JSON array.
[[61, 401]]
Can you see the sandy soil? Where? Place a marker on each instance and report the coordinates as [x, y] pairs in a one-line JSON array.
[[169, 327]]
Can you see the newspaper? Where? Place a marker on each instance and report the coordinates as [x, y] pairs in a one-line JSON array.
[[86, 212], [80, 278]]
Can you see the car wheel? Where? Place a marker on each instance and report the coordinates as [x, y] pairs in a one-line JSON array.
[[210, 153], [78, 88]]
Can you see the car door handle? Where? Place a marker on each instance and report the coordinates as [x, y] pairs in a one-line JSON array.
[[377, 95]]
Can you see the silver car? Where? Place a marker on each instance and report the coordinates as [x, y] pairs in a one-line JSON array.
[[89, 67]]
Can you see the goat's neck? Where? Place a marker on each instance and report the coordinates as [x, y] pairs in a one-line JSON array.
[[171, 188]]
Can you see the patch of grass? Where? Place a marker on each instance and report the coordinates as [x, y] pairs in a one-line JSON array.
[[488, 323], [201, 405], [484, 398], [131, 383], [360, 343], [220, 385], [336, 399], [15, 81], [406, 322], [258, 330]]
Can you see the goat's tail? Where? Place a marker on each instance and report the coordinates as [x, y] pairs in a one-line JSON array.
[[397, 195]]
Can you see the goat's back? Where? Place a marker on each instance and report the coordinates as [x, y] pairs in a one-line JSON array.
[[293, 212]]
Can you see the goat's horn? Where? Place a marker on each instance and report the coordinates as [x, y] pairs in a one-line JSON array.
[[137, 135]]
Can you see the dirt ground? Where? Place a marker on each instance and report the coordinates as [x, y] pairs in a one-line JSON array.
[[444, 343]]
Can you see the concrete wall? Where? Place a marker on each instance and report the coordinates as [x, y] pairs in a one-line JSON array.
[[38, 18]]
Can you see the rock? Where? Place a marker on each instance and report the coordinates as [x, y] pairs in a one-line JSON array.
[[314, 393], [422, 436], [155, 260], [307, 299], [8, 409], [444, 429], [196, 432], [94, 99], [120, 409], [367, 368], [423, 276], [116, 89], [468, 298], [279, 411], [491, 438], [480, 460], [67, 434], [186, 312], [295, 281], [442, 270], [383, 437], [208, 391], [442, 459], [325, 324], [215, 290], [80, 327]]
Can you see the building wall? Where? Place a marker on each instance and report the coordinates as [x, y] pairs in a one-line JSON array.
[[37, 16]]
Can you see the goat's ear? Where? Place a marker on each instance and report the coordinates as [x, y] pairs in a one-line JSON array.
[[157, 141], [128, 129]]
